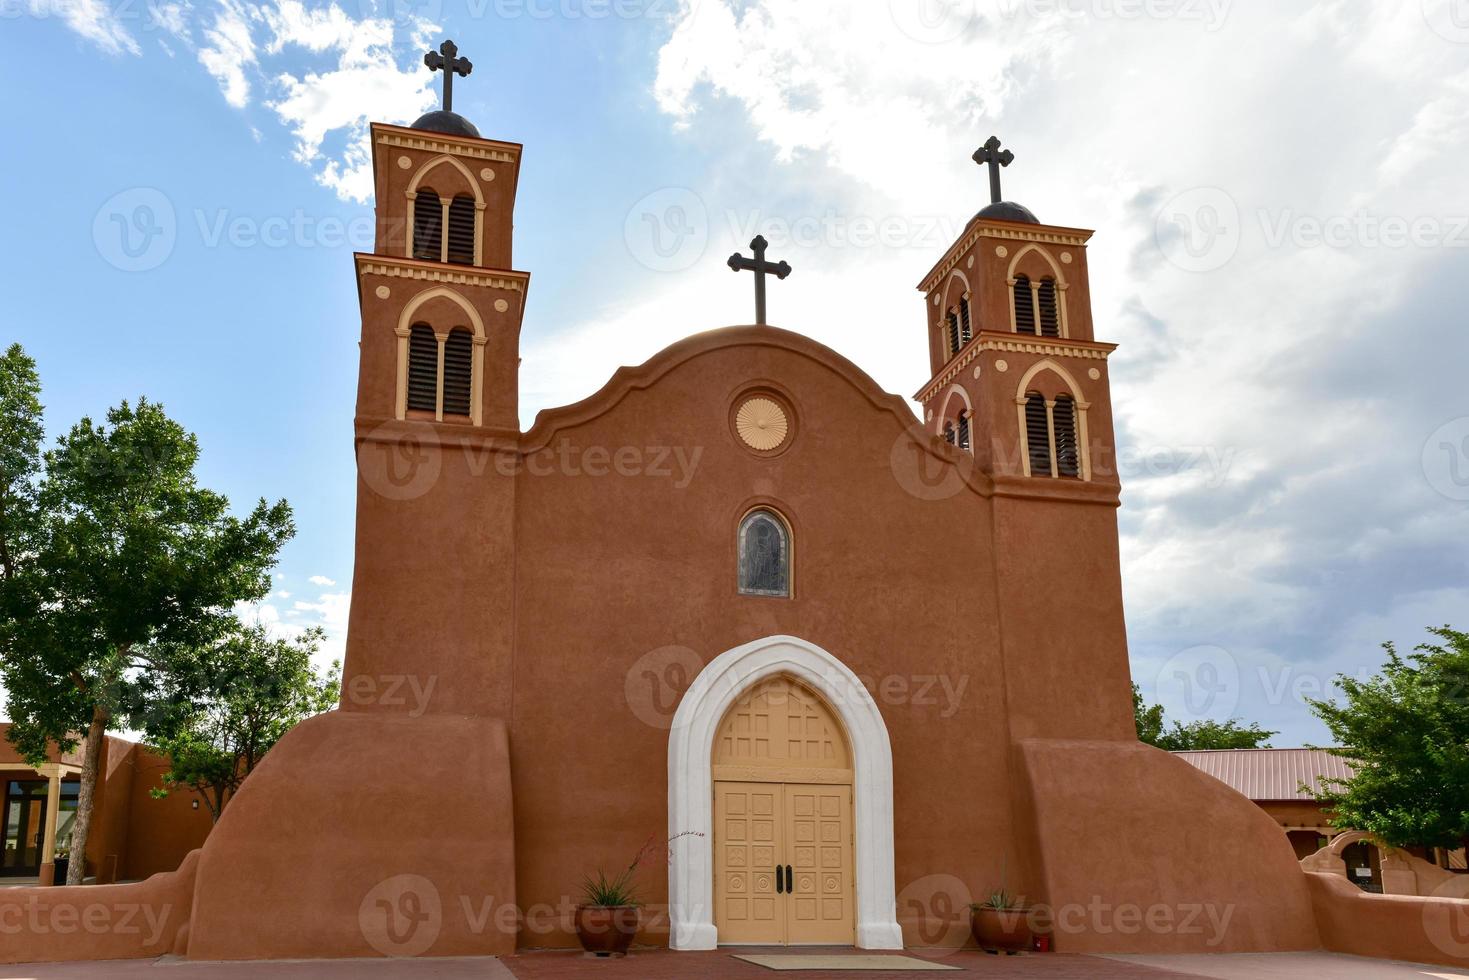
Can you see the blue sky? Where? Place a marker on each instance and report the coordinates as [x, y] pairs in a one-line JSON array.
[[1282, 241]]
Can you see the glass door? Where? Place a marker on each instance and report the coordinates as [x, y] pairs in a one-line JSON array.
[[25, 827]]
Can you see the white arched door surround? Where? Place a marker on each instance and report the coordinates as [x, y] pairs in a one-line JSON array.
[[691, 785]]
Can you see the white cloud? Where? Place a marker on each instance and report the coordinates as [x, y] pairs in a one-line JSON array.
[[94, 20], [321, 580], [229, 51]]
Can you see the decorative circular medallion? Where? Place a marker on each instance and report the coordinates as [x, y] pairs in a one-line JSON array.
[[1001, 366], [487, 175], [404, 163], [970, 263], [501, 306], [1001, 251], [976, 370], [1093, 373], [761, 422], [934, 299], [1066, 258], [383, 292]]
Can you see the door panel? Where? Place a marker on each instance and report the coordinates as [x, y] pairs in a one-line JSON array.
[[747, 822], [819, 849]]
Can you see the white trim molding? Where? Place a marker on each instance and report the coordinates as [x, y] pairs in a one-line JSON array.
[[691, 786]]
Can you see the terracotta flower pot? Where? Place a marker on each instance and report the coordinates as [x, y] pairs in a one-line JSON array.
[[607, 930], [1004, 930]]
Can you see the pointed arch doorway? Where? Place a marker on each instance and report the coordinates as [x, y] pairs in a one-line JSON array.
[[783, 841], [828, 698]]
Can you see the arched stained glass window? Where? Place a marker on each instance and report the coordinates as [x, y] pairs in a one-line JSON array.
[[765, 555]]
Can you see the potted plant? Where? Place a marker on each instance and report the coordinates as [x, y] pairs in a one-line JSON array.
[[1001, 923], [609, 915]]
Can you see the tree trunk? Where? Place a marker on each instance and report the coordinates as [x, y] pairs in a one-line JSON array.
[[76, 868]]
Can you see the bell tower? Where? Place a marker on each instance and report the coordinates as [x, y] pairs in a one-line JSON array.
[[1018, 378], [437, 425]]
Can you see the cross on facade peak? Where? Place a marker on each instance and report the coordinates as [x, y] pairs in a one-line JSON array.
[[447, 60], [990, 154], [760, 267]]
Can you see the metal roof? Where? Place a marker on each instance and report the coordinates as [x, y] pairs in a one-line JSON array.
[[1269, 774]]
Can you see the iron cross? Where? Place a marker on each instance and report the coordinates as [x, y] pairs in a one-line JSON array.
[[759, 266], [990, 154], [446, 59]]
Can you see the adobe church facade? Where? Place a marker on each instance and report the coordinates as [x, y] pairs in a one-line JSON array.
[[856, 664]]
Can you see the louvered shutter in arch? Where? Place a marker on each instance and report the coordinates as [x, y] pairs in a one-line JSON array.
[[1038, 435], [963, 430], [1063, 420], [953, 328], [1024, 311], [428, 221], [1046, 299], [458, 371], [461, 231], [966, 328], [423, 369]]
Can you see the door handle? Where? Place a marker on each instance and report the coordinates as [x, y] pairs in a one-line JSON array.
[[778, 882], [789, 884]]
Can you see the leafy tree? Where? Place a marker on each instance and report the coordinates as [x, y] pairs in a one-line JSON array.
[[1405, 732], [128, 552], [1201, 734], [21, 432], [216, 709]]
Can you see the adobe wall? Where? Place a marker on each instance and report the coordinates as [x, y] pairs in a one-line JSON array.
[[1144, 853], [1397, 927], [98, 922]]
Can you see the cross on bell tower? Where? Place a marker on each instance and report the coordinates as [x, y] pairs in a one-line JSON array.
[[992, 155], [446, 59]]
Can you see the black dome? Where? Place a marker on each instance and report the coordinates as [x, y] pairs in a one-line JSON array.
[[1007, 211], [452, 123]]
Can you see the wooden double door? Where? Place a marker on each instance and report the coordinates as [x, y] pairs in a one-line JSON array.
[[783, 825], [783, 871]]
